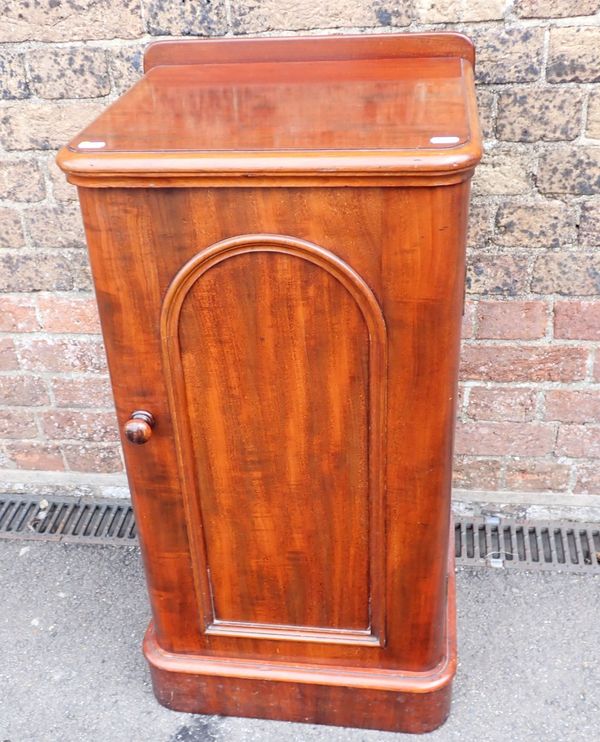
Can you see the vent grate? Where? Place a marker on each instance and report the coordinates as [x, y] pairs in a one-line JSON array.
[[78, 520], [479, 541], [528, 545]]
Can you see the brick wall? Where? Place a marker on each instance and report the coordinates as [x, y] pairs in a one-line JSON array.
[[529, 420]]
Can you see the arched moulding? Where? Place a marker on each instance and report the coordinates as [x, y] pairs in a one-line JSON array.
[[222, 617]]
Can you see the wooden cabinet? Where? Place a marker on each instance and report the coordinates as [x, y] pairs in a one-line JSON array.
[[277, 236]]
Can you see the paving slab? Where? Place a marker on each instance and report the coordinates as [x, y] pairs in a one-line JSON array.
[[71, 669]]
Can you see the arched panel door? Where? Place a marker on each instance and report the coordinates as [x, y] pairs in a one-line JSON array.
[[275, 356]]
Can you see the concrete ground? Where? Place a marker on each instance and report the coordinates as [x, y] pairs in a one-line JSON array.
[[71, 670]]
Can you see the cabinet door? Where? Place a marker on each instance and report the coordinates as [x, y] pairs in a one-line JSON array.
[[274, 351]]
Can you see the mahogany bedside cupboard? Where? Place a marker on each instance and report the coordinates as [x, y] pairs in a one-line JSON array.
[[276, 229]]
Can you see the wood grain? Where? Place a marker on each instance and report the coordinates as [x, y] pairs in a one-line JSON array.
[[376, 109], [392, 701], [407, 245], [291, 320], [374, 699], [308, 48], [309, 436]]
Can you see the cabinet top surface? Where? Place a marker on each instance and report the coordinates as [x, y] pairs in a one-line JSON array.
[[339, 114]]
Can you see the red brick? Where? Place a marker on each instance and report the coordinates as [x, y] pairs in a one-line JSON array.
[[467, 320], [93, 458], [516, 405], [8, 355], [570, 169], [59, 226], [11, 229], [481, 223], [74, 354], [503, 172], [488, 273], [567, 272], [35, 455], [44, 125], [69, 20], [539, 114], [126, 66], [38, 270], [573, 53], [69, 314], [508, 320], [21, 180], [62, 190], [523, 64], [578, 441], [592, 128], [535, 224], [476, 474], [84, 391], [589, 222], [573, 406], [28, 391], [80, 426], [250, 17], [14, 77], [577, 320], [17, 314], [523, 363], [68, 71], [486, 106], [504, 439], [460, 398], [536, 476], [17, 424], [588, 478], [555, 8]]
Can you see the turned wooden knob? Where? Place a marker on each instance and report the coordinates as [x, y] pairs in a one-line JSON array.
[[138, 428]]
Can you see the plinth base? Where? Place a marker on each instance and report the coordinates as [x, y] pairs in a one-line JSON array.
[[370, 698]]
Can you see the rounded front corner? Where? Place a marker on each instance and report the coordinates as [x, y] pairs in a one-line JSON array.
[[63, 159]]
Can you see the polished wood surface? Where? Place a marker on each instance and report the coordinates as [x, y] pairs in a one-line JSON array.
[[401, 113], [271, 106], [308, 48], [138, 428], [297, 347], [407, 245], [391, 701], [294, 348]]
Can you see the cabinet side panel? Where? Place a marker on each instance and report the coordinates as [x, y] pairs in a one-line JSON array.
[[423, 267]]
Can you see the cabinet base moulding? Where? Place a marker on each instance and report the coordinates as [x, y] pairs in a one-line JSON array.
[[388, 700]]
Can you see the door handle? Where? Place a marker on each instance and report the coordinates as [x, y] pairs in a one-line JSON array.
[[138, 429]]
